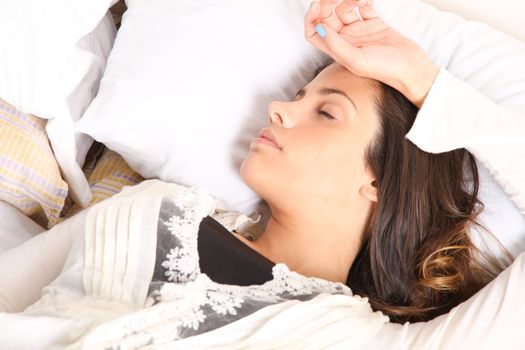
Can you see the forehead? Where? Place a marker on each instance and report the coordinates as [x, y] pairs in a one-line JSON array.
[[338, 77]]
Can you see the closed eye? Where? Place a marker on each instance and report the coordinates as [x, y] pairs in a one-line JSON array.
[[326, 115]]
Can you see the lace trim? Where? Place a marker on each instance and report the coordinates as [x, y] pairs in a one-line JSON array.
[[187, 307], [250, 227], [192, 204]]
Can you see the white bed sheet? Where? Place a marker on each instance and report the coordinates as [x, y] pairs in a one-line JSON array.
[[15, 227]]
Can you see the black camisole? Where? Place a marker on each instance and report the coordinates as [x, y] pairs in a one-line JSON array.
[[227, 260]]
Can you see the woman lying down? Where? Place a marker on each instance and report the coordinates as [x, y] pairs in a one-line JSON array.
[[356, 209]]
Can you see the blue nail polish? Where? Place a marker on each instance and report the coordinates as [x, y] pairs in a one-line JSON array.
[[320, 30]]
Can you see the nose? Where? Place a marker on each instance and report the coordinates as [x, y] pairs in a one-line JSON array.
[[281, 113]]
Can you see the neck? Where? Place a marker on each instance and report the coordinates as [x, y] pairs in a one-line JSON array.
[[322, 246]]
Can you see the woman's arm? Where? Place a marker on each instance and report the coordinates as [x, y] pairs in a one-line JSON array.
[[456, 115]]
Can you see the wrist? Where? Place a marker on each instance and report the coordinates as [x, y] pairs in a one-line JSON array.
[[417, 88]]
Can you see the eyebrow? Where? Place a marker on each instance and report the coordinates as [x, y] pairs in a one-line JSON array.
[[328, 91]]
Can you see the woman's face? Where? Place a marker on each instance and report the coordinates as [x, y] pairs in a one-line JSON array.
[[314, 147]]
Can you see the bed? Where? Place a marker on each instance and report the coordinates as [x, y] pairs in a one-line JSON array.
[[83, 115]]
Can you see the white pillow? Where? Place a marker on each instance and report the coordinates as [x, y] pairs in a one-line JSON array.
[[53, 56], [188, 83], [505, 15]]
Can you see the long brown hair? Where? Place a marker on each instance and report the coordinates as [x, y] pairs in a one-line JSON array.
[[417, 260]]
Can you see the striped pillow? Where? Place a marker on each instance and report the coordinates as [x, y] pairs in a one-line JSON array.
[[30, 178]]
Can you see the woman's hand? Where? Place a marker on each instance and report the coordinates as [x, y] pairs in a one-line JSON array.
[[368, 47]]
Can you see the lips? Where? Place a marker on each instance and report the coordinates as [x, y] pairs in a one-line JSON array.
[[267, 134]]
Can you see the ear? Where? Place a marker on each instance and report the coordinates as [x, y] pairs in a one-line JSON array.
[[369, 191]]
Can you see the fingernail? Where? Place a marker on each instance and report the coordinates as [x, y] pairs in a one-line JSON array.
[[320, 30]]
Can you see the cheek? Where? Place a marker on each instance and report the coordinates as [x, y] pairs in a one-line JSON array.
[[318, 165], [329, 167]]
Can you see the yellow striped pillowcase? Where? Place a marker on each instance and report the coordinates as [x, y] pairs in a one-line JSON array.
[[30, 178]]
